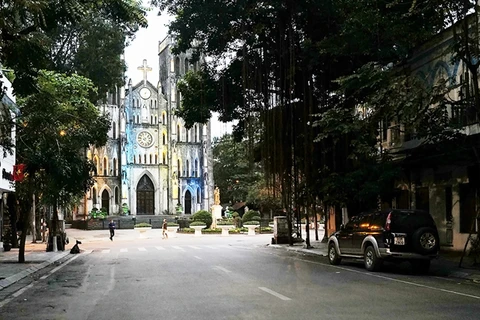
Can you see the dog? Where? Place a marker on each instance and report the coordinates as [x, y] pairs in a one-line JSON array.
[[75, 249]]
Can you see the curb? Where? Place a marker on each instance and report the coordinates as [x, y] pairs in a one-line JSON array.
[[19, 276]]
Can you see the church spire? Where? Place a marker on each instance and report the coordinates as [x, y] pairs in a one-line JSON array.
[[144, 68]]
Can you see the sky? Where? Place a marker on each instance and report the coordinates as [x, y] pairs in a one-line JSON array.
[[145, 46]]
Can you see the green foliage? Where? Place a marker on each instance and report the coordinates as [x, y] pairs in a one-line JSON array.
[[197, 223], [202, 216], [233, 168], [55, 126], [143, 225], [251, 223], [197, 89], [251, 215], [212, 231], [87, 37], [225, 222]]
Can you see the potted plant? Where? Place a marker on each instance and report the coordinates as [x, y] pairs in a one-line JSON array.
[[251, 225], [142, 227], [225, 225], [198, 226]]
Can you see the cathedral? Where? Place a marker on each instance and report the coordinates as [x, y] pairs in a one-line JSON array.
[[152, 164]]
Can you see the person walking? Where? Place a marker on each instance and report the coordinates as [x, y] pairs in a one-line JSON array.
[[111, 227], [164, 229]]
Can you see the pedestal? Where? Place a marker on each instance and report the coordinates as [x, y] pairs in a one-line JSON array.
[[216, 212], [251, 230], [225, 229], [198, 230]]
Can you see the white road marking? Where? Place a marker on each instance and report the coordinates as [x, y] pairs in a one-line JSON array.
[[276, 294], [196, 248], [212, 247], [178, 248], [222, 269], [142, 249], [160, 248], [19, 292], [393, 279], [197, 257], [106, 251], [124, 250]]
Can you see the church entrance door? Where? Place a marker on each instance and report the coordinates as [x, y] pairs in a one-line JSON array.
[[188, 202], [145, 196], [106, 201]]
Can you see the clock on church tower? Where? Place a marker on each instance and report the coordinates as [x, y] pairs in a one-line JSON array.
[[145, 139]]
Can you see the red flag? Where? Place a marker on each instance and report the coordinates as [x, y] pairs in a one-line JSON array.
[[18, 172]]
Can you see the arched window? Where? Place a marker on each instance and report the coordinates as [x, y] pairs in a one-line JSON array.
[[151, 158], [179, 98], [134, 159], [138, 119], [94, 195], [145, 158], [156, 158], [186, 65], [186, 135], [114, 128], [155, 104], [177, 65], [151, 119], [196, 132], [156, 119], [139, 159], [97, 165], [105, 166], [163, 118], [199, 196], [187, 165], [179, 136], [164, 139], [114, 166], [179, 168], [116, 196], [164, 158], [196, 168]]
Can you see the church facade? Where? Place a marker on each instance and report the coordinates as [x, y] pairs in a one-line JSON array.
[[152, 164]]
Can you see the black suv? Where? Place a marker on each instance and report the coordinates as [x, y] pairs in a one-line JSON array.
[[387, 235]]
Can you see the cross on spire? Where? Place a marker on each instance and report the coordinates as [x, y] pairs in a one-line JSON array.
[[145, 69]]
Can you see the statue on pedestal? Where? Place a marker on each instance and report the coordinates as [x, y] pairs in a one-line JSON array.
[[216, 196]]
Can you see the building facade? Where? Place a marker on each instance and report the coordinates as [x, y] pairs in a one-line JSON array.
[[8, 110], [152, 164], [446, 185]]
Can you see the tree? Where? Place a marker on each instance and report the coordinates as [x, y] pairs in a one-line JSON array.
[[321, 76], [55, 126], [234, 175], [86, 37]]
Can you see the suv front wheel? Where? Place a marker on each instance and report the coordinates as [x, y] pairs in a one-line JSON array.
[[333, 256], [372, 262]]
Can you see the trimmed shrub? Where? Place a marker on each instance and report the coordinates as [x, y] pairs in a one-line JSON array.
[[203, 216], [251, 215], [251, 223], [225, 222], [172, 224], [197, 223], [143, 225]]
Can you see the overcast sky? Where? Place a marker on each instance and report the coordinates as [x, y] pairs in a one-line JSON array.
[[145, 46]]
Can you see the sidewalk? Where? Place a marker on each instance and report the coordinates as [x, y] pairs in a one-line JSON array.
[[446, 265]]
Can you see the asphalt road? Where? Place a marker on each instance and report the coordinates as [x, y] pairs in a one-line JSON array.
[[231, 278]]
